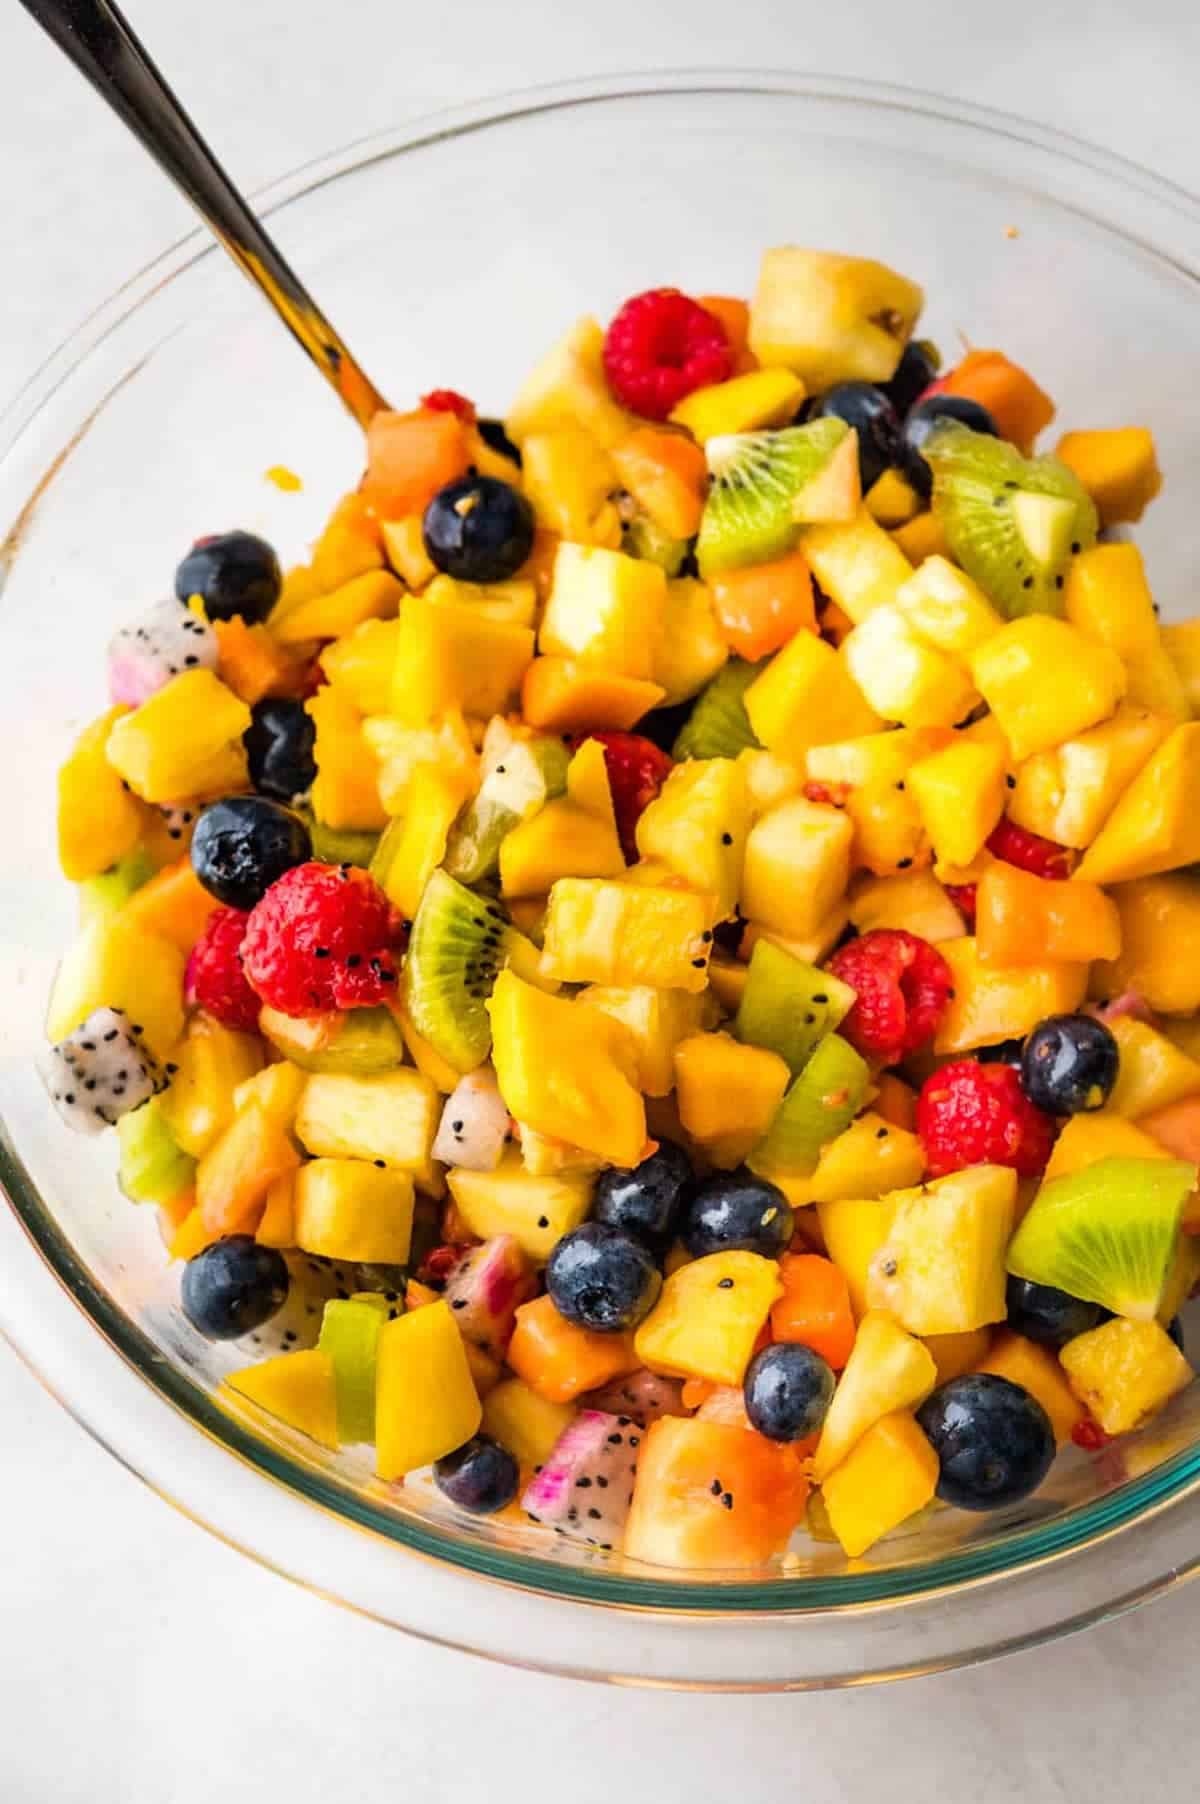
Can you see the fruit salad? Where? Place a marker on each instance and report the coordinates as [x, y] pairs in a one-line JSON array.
[[655, 979]]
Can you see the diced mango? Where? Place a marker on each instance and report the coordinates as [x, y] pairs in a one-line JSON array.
[[1160, 944], [297, 1389], [569, 479], [456, 657], [98, 820], [346, 793], [1108, 598], [692, 648], [560, 840], [212, 1063], [658, 1020], [185, 741], [1086, 1139], [1020, 674], [1152, 1072], [954, 1354], [112, 965], [563, 695], [697, 826], [854, 1229], [350, 1209], [528, 1425], [426, 1403], [434, 799], [620, 933], [1037, 1371], [1021, 919], [806, 696], [892, 500], [872, 1158], [727, 1093], [362, 663], [1067, 794], [990, 1003], [913, 901], [568, 385], [873, 759], [705, 1327], [1155, 826], [887, 1477], [1181, 642], [373, 596], [960, 792], [1118, 468], [536, 1211], [920, 538], [768, 397]]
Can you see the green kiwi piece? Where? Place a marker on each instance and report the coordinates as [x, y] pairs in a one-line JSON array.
[[1013, 523], [339, 845], [100, 897], [1107, 1233], [751, 514], [350, 1330], [788, 1006], [153, 1166], [456, 951], [522, 776], [358, 1043], [642, 538], [819, 1105], [718, 725]]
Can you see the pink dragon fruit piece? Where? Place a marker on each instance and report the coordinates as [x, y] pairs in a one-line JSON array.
[[485, 1290], [643, 1395], [586, 1486], [144, 656], [1130, 1004]]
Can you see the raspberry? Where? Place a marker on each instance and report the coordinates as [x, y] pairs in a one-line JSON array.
[[321, 939], [903, 985], [1089, 1435], [660, 347], [1030, 852], [214, 979], [973, 1114], [448, 400], [963, 897], [637, 770]]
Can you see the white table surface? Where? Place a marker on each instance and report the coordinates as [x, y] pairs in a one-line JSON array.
[[140, 1661]]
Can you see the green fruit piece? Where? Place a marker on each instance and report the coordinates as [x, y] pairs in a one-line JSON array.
[[819, 1105], [789, 1006], [718, 726], [350, 1335], [100, 897], [153, 1166], [457, 949], [339, 845], [355, 1044], [1012, 522], [1106, 1233], [520, 777], [642, 538], [755, 506]]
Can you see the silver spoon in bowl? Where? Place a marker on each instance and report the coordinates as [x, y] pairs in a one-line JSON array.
[[98, 39]]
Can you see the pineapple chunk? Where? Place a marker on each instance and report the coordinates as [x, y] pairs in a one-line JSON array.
[[872, 1158], [1124, 1372], [1037, 1371], [960, 792], [708, 1317], [911, 900], [890, 1475], [854, 1229], [873, 759], [889, 834], [415, 842], [455, 657], [1155, 826], [185, 741], [806, 696], [606, 609], [1067, 794], [561, 840], [374, 595], [858, 564], [568, 478], [1108, 598], [361, 665], [569, 386], [727, 1094], [536, 1211], [392, 1118], [515, 601], [990, 1003], [214, 1065], [658, 1020], [797, 867], [887, 1370], [404, 542], [743, 404], [346, 792], [426, 1403], [401, 751], [348, 1209], [113, 965], [1160, 944], [697, 827], [1119, 469], [941, 1270], [621, 933], [98, 820], [831, 318], [528, 1425], [946, 609], [692, 647], [1181, 642], [1086, 1139], [297, 1389], [1020, 674], [812, 948], [902, 677], [1152, 1073]]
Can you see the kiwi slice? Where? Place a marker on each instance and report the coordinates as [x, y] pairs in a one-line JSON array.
[[1013, 523], [788, 1006], [757, 502], [457, 949], [642, 538], [718, 725], [519, 777], [819, 1105], [100, 897], [350, 1329], [153, 1166], [339, 845], [1106, 1233], [358, 1043]]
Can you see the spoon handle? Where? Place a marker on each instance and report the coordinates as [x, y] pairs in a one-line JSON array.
[[99, 41]]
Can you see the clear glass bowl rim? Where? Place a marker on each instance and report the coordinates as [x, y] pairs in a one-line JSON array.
[[1015, 1552]]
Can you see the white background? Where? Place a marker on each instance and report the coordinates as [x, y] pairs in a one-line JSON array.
[[140, 1661]]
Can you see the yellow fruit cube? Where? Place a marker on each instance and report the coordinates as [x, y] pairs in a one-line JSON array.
[[941, 1269], [857, 564], [960, 792], [797, 866], [515, 601], [921, 537], [569, 479], [1108, 598], [404, 542], [619, 933], [889, 834], [727, 1094], [871, 1159], [276, 1089], [1022, 675], [1160, 944], [903, 677], [892, 500], [806, 696], [1037, 1371], [708, 1317], [831, 318], [1155, 826], [426, 1403], [373, 596], [1124, 1372], [946, 609], [812, 948], [691, 648], [887, 1370], [401, 750], [389, 1118], [214, 1064], [872, 759], [113, 965], [1152, 1073], [563, 1068], [456, 657], [913, 901], [185, 741], [1181, 642], [1067, 794], [528, 1425], [297, 1389], [569, 386], [990, 1003], [769, 397], [361, 665], [697, 827], [349, 1209], [854, 1229], [954, 1354], [537, 1210], [98, 820], [415, 843], [1118, 468], [606, 609], [1086, 1139], [658, 1020], [769, 780], [561, 840], [890, 1475]]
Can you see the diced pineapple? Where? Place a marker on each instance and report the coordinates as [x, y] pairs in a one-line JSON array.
[[697, 826], [797, 866], [335, 612], [692, 648], [1155, 826], [112, 965], [854, 1229], [346, 793], [350, 1209], [390, 1118], [806, 696], [402, 750], [1037, 1371], [1067, 794], [769, 780], [727, 1093], [543, 1157], [990, 1003], [1086, 1139], [708, 1317], [415, 842], [903, 677], [361, 665], [1124, 1372], [887, 1477], [404, 542], [297, 1389], [1020, 674], [1160, 944], [960, 792], [874, 758], [1118, 468], [889, 834], [831, 318], [569, 386], [237, 1171], [98, 820], [569, 479], [426, 1403], [887, 1370], [561, 840], [946, 609], [857, 563], [213, 1066], [1108, 598], [185, 741], [658, 1020], [455, 657], [515, 601], [536, 1211], [941, 1269], [871, 1159], [620, 933], [913, 901], [1152, 1072], [528, 1425], [605, 609], [1181, 642]]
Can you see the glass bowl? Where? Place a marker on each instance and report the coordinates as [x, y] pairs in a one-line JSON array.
[[454, 252]]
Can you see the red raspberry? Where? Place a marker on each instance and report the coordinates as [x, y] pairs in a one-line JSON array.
[[440, 1263], [973, 1114], [637, 770], [1089, 1435], [321, 939], [214, 979], [1030, 852], [903, 985], [448, 400], [963, 897], [660, 347]]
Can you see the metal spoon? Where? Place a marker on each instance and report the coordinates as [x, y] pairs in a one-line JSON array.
[[99, 41]]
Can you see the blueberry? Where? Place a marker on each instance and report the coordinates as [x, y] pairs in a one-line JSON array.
[[735, 1210], [917, 368], [645, 1201], [925, 418], [788, 1389], [1049, 1316], [479, 529], [994, 1442], [1007, 1052], [232, 573], [496, 439], [1175, 1330], [662, 726], [873, 417], [480, 1476], [243, 844], [233, 1287], [600, 1277], [279, 747], [1069, 1065]]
